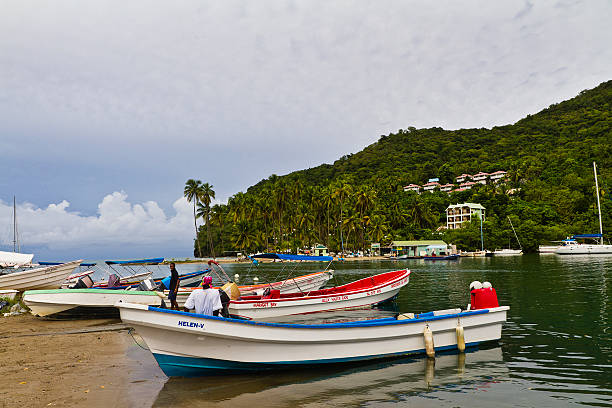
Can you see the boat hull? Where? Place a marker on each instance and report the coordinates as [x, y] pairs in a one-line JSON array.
[[50, 277], [271, 308], [49, 302], [186, 344], [584, 249], [306, 283]]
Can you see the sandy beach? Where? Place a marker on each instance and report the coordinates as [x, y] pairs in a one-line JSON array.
[[73, 363]]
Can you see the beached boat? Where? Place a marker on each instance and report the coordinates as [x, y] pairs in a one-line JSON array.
[[358, 294], [49, 302], [49, 277], [8, 293], [299, 284], [14, 259], [187, 344]]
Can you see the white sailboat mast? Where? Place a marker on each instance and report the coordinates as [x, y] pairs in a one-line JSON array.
[[598, 205], [15, 242]]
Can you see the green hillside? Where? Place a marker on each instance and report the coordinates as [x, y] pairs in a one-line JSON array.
[[549, 193]]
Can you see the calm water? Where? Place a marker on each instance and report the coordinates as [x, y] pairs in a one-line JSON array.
[[555, 349]]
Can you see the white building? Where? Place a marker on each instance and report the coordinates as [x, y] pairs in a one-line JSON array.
[[413, 187], [447, 187], [497, 176], [480, 177], [430, 186], [463, 177], [457, 214], [467, 185]]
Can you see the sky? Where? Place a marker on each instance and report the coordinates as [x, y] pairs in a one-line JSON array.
[[108, 107]]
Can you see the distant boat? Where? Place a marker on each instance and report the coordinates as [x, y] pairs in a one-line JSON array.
[[441, 257], [508, 251], [547, 249], [49, 277], [573, 247], [15, 259]]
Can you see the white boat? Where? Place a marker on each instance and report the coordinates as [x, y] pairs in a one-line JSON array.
[[299, 284], [49, 277], [187, 344], [48, 302], [8, 293], [14, 259], [547, 249], [361, 293], [573, 247], [507, 252]]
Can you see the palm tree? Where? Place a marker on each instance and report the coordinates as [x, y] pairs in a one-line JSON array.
[[217, 217], [364, 201], [193, 191], [341, 192], [207, 194]]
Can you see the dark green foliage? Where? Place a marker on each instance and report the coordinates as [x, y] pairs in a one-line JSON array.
[[548, 157]]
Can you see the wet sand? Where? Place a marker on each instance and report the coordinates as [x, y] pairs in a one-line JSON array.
[[74, 363]]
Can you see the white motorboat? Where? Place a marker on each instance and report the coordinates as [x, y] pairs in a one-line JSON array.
[[187, 344], [361, 293], [573, 247], [49, 302], [507, 252], [49, 277], [8, 293]]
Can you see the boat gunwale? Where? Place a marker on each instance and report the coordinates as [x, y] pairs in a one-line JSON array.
[[91, 290], [406, 274], [354, 324]]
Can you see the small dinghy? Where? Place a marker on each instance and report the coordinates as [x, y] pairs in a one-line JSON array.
[[188, 344], [48, 277]]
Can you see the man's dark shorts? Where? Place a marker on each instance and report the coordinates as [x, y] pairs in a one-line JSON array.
[[172, 296]]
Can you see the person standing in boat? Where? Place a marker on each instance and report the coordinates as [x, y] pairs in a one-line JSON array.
[[174, 285], [205, 301]]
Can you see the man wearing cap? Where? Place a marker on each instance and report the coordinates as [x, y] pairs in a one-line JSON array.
[[206, 300]]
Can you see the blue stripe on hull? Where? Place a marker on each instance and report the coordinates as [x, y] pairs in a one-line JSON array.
[[177, 366]]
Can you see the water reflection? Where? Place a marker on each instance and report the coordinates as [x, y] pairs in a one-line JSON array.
[[359, 384]]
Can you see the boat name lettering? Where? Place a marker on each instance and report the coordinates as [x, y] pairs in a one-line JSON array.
[[373, 292], [396, 284], [334, 299], [264, 304], [191, 324]]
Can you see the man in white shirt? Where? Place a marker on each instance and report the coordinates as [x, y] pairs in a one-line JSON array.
[[206, 300]]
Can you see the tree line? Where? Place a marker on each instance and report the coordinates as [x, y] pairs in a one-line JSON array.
[[359, 199]]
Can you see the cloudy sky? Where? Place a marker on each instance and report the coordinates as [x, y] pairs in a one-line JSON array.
[[108, 107]]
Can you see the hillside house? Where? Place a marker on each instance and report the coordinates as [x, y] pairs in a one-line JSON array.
[[457, 214]]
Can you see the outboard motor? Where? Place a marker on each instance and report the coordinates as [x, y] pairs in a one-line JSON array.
[[483, 296], [83, 283], [113, 280], [147, 284]]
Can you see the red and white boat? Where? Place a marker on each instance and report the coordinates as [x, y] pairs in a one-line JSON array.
[[358, 294]]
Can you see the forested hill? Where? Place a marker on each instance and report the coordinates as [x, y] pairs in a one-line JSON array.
[[359, 199], [563, 139]]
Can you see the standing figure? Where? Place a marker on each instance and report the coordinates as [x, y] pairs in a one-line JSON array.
[[174, 286]]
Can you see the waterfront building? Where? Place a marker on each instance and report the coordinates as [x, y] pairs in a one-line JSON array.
[[420, 248], [320, 250], [457, 214]]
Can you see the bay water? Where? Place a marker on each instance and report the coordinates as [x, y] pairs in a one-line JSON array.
[[555, 350]]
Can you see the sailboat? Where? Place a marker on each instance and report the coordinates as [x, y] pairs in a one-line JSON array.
[[572, 247], [508, 251], [14, 259]]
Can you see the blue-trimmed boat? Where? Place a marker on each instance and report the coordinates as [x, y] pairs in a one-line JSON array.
[[188, 344], [441, 257]]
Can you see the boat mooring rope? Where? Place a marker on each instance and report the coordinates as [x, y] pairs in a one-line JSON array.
[[131, 332]]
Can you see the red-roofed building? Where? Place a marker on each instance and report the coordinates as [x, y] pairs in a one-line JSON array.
[[463, 177], [430, 186], [447, 187], [480, 177], [497, 176], [412, 187]]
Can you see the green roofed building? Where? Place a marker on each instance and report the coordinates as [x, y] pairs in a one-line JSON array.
[[420, 248]]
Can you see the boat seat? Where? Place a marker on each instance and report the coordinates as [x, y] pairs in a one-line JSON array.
[[272, 294]]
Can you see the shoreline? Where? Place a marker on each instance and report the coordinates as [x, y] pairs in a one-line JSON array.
[[246, 260]]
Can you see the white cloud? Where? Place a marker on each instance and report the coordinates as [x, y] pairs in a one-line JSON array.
[[118, 226]]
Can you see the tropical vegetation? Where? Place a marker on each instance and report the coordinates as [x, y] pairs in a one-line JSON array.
[[359, 199]]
